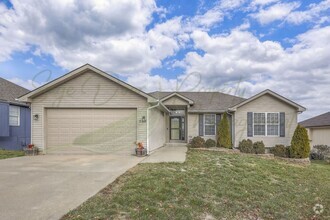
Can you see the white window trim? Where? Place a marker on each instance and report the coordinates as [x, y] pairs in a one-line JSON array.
[[266, 135], [18, 116], [215, 124]]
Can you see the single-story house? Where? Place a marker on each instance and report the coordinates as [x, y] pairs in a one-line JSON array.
[[15, 117], [92, 110], [318, 129]]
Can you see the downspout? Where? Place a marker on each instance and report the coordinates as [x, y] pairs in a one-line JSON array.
[[151, 107], [232, 129]]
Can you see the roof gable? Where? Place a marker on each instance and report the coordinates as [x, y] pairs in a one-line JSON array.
[[274, 94], [75, 73], [178, 95], [10, 91], [317, 121], [204, 102]]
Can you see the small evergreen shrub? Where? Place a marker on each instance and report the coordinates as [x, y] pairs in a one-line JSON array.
[[320, 152], [197, 142], [300, 147], [223, 133], [246, 146], [210, 143], [259, 147], [280, 151]]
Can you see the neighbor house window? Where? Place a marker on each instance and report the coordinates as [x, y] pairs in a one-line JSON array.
[[14, 115], [266, 124], [209, 124]]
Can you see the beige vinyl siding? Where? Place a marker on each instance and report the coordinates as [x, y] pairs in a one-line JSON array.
[[157, 129], [265, 103], [193, 127], [319, 136], [175, 100], [88, 90]]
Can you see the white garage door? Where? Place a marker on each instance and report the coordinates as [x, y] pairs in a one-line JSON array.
[[94, 130]]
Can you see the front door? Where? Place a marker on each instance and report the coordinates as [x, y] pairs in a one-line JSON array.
[[177, 125]]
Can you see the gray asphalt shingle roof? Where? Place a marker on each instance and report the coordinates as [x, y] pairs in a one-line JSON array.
[[318, 121], [205, 101], [10, 91]]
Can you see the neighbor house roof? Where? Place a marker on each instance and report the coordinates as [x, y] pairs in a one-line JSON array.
[[317, 121], [204, 101], [274, 94], [10, 91], [76, 72]]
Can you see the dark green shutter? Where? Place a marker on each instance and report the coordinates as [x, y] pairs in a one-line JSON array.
[[250, 124], [201, 125], [217, 119], [282, 124]]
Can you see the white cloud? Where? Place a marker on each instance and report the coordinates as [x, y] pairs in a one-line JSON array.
[[278, 11], [108, 34], [231, 4], [312, 14], [301, 72], [29, 61], [28, 84], [262, 2]]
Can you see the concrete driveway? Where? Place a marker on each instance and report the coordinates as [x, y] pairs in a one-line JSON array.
[[47, 187]]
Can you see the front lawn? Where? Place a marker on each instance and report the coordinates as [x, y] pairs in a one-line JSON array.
[[213, 185], [4, 154]]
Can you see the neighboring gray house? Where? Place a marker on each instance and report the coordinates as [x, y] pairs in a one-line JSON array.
[[15, 117], [318, 129], [91, 110]]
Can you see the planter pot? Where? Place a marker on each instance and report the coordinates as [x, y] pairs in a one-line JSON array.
[[141, 152]]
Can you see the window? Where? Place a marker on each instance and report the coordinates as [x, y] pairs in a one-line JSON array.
[[263, 127], [259, 124], [14, 115], [272, 124], [209, 124]]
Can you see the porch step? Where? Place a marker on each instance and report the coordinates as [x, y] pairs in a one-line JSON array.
[[175, 145]]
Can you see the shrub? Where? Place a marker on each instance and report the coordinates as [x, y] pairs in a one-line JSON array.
[[259, 147], [224, 137], [197, 142], [246, 146], [210, 143], [320, 152], [300, 147], [280, 150]]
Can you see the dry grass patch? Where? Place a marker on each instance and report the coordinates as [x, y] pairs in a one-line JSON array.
[[213, 185]]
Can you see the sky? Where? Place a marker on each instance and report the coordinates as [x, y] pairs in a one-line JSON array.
[[234, 46]]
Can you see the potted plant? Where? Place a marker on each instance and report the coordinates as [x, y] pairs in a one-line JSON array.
[[140, 150], [31, 150]]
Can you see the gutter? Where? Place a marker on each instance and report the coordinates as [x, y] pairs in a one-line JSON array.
[[159, 103]]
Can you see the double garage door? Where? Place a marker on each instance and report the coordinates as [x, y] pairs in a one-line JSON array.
[[94, 130]]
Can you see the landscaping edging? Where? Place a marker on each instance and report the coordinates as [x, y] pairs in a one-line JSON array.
[[304, 161]]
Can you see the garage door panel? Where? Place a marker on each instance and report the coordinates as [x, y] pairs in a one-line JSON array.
[[98, 130]]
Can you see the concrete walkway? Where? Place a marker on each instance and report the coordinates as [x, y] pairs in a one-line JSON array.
[[47, 187], [173, 153]]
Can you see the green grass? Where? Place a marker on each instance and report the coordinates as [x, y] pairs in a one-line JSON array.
[[4, 154], [213, 185]]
